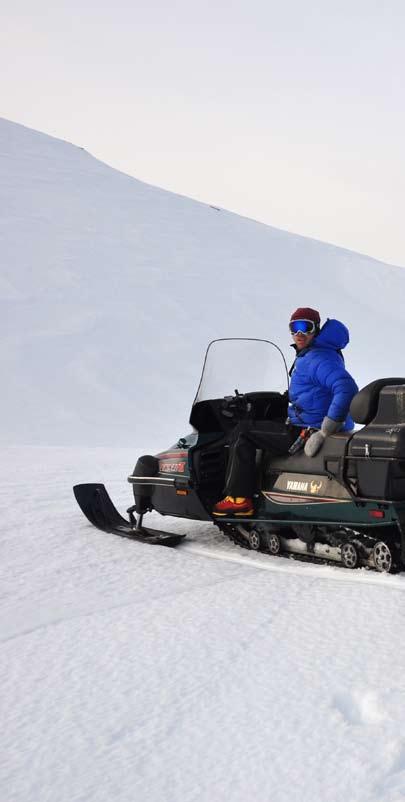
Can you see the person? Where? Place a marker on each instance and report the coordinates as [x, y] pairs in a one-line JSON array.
[[320, 393]]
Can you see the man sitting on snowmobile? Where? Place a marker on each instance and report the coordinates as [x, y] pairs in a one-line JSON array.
[[320, 393]]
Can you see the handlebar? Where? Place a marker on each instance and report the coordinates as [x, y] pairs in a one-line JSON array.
[[237, 406]]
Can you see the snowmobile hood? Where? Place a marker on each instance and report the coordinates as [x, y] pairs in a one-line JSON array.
[[333, 334]]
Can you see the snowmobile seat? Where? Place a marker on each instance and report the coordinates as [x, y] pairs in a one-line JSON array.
[[364, 406], [332, 457], [329, 460], [376, 453]]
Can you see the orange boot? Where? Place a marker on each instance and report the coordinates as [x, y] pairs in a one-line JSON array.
[[234, 505]]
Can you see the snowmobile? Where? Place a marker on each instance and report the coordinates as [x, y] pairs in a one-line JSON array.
[[345, 505]]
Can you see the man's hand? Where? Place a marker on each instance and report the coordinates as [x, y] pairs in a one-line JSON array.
[[316, 441]]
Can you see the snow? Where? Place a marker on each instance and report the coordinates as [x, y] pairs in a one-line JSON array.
[[207, 672], [204, 672]]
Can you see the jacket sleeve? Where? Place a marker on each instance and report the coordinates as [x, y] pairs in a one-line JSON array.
[[333, 376]]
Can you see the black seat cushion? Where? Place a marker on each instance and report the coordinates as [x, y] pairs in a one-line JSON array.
[[365, 403], [328, 460]]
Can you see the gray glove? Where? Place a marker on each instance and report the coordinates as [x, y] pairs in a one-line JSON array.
[[316, 440]]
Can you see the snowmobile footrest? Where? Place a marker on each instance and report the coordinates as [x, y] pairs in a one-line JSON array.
[[98, 508]]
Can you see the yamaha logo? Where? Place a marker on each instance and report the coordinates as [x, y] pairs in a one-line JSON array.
[[312, 487], [299, 487]]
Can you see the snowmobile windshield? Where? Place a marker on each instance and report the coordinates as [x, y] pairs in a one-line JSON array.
[[246, 365]]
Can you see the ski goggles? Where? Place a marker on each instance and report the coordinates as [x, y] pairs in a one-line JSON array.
[[302, 326]]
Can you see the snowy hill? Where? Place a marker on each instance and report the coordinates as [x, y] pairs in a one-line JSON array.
[[110, 290]]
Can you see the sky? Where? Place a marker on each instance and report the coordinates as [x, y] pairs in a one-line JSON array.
[[291, 113]]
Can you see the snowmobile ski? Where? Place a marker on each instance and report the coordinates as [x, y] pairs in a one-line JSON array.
[[98, 508]]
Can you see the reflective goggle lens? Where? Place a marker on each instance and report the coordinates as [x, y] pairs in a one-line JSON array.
[[303, 326]]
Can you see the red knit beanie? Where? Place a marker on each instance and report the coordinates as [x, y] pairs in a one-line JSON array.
[[306, 313]]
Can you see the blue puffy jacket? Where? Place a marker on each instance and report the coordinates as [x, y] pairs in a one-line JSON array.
[[320, 384]]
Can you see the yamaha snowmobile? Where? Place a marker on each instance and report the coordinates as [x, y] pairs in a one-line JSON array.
[[345, 505]]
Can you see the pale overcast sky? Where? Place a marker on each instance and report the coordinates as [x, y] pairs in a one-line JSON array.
[[290, 112]]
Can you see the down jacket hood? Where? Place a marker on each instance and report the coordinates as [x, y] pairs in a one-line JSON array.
[[333, 334]]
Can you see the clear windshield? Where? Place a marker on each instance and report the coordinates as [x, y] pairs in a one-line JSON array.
[[245, 365]]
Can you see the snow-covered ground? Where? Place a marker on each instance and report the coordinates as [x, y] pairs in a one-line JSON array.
[[133, 672]]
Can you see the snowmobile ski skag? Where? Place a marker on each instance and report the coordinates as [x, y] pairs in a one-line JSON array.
[[98, 508], [345, 505]]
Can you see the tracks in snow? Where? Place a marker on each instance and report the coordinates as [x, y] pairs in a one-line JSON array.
[[287, 565]]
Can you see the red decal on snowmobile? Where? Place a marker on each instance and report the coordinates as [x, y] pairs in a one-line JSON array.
[[171, 467]]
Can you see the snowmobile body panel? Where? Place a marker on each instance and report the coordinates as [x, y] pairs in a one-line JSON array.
[[172, 490], [188, 483]]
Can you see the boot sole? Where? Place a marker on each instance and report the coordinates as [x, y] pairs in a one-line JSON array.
[[236, 514]]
